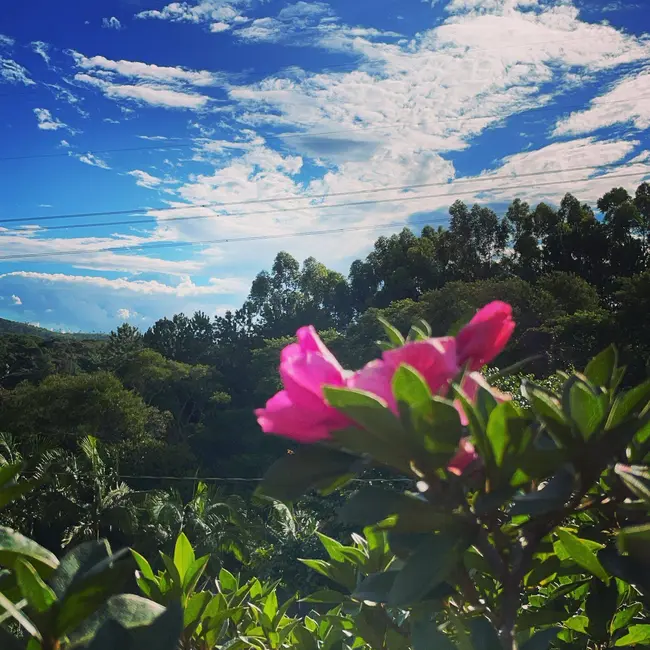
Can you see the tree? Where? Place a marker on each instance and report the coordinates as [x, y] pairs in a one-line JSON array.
[[65, 407]]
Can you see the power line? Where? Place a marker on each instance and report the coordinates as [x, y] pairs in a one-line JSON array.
[[293, 134], [168, 244], [309, 233], [135, 211]]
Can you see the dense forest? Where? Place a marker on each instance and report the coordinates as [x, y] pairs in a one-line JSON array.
[[112, 421]]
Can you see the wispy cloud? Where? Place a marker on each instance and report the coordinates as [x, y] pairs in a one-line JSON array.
[[91, 159], [42, 49], [14, 73], [221, 15], [6, 41]]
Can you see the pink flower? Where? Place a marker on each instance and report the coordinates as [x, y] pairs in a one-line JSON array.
[[485, 336], [300, 411], [434, 359], [465, 456]]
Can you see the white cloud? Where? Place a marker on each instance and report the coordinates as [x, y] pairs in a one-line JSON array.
[[47, 122], [111, 23], [627, 101], [170, 87], [42, 49], [216, 28], [15, 300], [145, 71], [64, 143], [6, 41], [126, 314], [14, 73], [185, 288], [92, 160], [202, 11], [145, 179]]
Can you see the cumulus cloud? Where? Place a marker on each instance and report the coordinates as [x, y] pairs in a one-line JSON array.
[[15, 300], [170, 87], [47, 122], [627, 102], [111, 23], [144, 179], [217, 13], [126, 314], [14, 73]]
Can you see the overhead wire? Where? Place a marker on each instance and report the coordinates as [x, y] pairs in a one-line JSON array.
[[310, 233], [292, 134], [308, 197]]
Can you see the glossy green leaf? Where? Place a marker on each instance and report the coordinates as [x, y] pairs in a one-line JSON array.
[[541, 640], [483, 634], [365, 409], [635, 541], [194, 573], [227, 580], [13, 545], [76, 563], [325, 596], [183, 555], [427, 636], [19, 617], [585, 408], [625, 617], [434, 559], [577, 623], [637, 635], [143, 565], [39, 595], [632, 402], [600, 370], [309, 466], [582, 554], [392, 333], [550, 498], [410, 387]]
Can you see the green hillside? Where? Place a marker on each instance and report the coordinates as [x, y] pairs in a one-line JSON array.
[[14, 327]]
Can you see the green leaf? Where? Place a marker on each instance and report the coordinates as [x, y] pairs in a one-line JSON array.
[[126, 609], [577, 624], [600, 370], [585, 408], [193, 611], [183, 555], [376, 587], [13, 546], [410, 387], [9, 472], [76, 563], [582, 554], [547, 408], [637, 635], [227, 581], [19, 617], [483, 634], [194, 573], [173, 575], [392, 333], [635, 541], [365, 409], [636, 478], [144, 566], [309, 466], [34, 590], [395, 452], [625, 617], [541, 640], [88, 592], [325, 596], [498, 429], [371, 505], [550, 498], [632, 402], [434, 559], [427, 636], [600, 608]]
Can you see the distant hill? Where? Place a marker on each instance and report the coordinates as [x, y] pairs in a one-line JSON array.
[[14, 327]]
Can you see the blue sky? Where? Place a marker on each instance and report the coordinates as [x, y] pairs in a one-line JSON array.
[[278, 115]]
